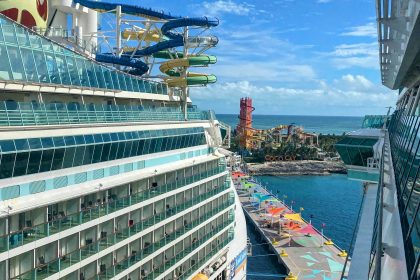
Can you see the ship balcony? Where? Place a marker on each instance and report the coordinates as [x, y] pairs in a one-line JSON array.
[[361, 152], [48, 263], [161, 262], [30, 226]]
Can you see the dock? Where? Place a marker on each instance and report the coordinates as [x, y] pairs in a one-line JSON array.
[[305, 256]]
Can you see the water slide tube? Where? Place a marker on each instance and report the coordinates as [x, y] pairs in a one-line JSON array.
[[175, 79], [141, 34], [175, 40], [103, 7]]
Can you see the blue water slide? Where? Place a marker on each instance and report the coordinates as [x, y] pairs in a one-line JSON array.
[[126, 9], [175, 39], [183, 22], [139, 65]]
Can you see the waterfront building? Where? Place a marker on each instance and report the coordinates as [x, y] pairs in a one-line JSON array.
[[107, 172], [385, 155]]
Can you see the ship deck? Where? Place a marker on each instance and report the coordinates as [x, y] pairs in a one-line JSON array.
[[308, 256]]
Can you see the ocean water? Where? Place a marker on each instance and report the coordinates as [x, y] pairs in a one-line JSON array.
[[333, 200], [317, 124]]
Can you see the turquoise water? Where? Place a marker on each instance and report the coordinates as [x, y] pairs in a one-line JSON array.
[[333, 200], [317, 124]]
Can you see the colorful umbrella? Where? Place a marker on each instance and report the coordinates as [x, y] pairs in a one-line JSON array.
[[309, 229], [294, 217], [276, 210]]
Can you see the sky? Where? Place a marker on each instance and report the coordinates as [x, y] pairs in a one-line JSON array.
[[293, 57]]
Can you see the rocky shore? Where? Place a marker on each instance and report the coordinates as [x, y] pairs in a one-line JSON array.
[[301, 167]]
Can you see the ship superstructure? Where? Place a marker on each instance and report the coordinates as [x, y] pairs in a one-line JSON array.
[[385, 155], [107, 170]]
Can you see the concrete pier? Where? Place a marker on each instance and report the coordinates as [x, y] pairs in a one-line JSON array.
[[305, 257]]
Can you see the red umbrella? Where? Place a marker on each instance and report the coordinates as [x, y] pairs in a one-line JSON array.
[[309, 229]]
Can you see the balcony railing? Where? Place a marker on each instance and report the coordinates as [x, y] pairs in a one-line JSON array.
[[65, 261], [30, 234], [36, 114], [375, 121], [166, 265], [123, 265], [211, 254]]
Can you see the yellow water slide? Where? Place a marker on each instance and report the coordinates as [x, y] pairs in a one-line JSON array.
[[175, 79]]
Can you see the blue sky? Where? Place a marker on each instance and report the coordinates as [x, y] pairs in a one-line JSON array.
[[293, 57]]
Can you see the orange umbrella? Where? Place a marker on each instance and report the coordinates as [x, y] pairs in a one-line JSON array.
[[292, 226], [276, 210]]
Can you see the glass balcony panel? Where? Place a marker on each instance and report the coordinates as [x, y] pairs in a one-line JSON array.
[[108, 79], [9, 34], [41, 66], [5, 68], [70, 259], [29, 63], [99, 76], [16, 63], [89, 250], [82, 72], [121, 81]]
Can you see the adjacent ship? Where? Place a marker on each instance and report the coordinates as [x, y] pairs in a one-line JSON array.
[[107, 169], [385, 155]]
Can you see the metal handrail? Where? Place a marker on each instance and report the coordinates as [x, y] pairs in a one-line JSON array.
[[24, 113], [380, 216]]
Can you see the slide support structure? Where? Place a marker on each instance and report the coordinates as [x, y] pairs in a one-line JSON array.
[[167, 40]]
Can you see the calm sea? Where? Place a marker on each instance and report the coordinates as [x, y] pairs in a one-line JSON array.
[[317, 124], [333, 200]]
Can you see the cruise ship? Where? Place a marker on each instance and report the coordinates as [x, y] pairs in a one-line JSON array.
[[384, 154], [107, 170]]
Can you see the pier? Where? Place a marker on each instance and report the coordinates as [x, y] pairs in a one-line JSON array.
[[302, 249]]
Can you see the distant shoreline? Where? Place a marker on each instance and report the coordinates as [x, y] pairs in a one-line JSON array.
[[297, 168]]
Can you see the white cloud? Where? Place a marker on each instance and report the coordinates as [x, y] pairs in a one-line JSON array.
[[364, 55], [356, 83], [367, 30], [350, 95], [346, 50], [229, 7]]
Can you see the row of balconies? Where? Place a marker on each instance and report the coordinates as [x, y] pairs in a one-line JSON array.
[[55, 256], [23, 228]]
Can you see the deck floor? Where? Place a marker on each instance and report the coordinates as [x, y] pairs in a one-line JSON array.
[[306, 259]]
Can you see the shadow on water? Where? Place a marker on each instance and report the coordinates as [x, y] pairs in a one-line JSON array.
[[262, 261]]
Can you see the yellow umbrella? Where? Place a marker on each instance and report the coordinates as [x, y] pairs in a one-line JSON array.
[[294, 217], [200, 276]]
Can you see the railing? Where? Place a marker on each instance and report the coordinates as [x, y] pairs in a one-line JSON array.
[[70, 37], [65, 261], [376, 252], [226, 139], [30, 234], [159, 270], [208, 256], [375, 121], [375, 265], [123, 265], [26, 114], [373, 163]]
